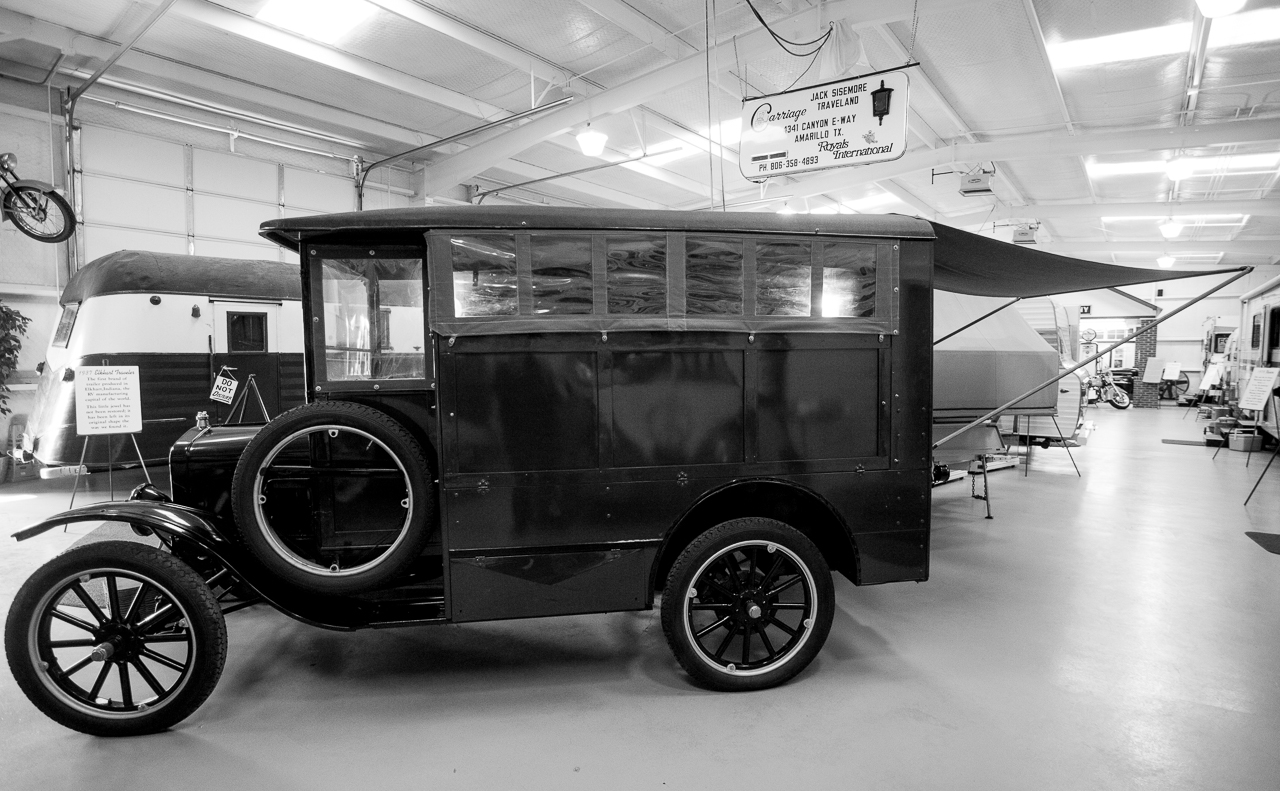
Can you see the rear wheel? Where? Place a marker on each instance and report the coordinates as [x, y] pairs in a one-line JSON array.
[[116, 639], [334, 497], [748, 605]]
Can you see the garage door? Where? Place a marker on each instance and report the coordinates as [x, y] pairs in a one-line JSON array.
[[143, 193]]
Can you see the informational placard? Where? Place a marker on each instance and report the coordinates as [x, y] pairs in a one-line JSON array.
[[108, 400], [1261, 382], [1212, 376], [849, 122], [1172, 371], [1154, 372], [224, 389]]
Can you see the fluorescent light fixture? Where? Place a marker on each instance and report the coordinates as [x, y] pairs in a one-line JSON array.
[[323, 20], [1165, 261], [1104, 169], [667, 151], [1170, 229], [1248, 28], [1180, 169], [825, 210], [1234, 219], [1133, 45], [728, 133], [592, 141], [1216, 8], [871, 202], [786, 209]]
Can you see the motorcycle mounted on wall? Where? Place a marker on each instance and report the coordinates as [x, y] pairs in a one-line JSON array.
[[34, 206]]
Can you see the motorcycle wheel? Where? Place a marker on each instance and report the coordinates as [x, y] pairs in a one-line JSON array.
[[1119, 399], [44, 215]]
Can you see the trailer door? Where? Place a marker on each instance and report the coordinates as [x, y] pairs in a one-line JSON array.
[[245, 338]]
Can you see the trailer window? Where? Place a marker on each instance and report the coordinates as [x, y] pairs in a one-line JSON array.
[[713, 277], [246, 332], [62, 335], [374, 324], [637, 274], [783, 278], [484, 275], [561, 274]]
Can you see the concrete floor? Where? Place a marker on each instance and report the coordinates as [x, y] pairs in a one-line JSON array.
[[1115, 631]]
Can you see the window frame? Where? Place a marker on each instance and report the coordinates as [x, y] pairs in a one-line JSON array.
[[313, 307], [442, 320], [266, 341]]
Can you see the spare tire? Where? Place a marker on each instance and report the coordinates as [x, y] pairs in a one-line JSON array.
[[334, 497]]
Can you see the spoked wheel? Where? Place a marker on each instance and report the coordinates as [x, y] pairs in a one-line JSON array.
[[43, 215], [116, 639], [748, 605], [1119, 398], [334, 497], [1172, 389]]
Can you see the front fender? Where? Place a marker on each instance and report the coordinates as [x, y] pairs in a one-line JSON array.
[[40, 185], [168, 518]]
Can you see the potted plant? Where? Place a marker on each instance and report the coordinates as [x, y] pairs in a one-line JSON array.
[[13, 325]]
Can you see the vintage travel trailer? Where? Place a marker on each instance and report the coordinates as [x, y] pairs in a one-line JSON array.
[[1258, 341], [180, 319]]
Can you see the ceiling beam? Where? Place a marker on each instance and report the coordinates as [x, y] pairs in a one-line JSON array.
[[445, 174], [1122, 142], [641, 26], [220, 18], [1092, 211]]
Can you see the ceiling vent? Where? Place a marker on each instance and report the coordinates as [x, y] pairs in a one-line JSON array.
[[975, 184]]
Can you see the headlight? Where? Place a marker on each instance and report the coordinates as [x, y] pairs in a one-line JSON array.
[[8, 161]]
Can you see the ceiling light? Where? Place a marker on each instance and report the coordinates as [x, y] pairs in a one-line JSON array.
[[1133, 45], [667, 151], [1165, 261], [1217, 8], [786, 209], [1102, 169], [1179, 169], [322, 20], [825, 210], [1247, 28], [592, 141], [870, 202], [1170, 229]]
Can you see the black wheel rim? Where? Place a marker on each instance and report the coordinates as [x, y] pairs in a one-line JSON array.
[[750, 608], [112, 643], [351, 476], [35, 212]]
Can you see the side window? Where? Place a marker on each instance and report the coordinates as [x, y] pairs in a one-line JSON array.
[[713, 277], [373, 319], [783, 278], [637, 274], [561, 268], [62, 335], [484, 275], [246, 332], [848, 280]]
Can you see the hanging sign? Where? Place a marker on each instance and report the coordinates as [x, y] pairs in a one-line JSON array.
[[1261, 382], [224, 389], [108, 400], [849, 122]]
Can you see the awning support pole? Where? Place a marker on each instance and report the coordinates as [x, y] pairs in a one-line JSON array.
[[975, 321], [1244, 271]]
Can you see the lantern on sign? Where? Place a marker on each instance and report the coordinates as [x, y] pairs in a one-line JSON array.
[[880, 102]]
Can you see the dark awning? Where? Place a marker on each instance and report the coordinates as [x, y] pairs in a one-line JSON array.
[[968, 263]]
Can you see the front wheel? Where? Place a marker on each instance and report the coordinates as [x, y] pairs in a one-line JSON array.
[[42, 214], [748, 605], [116, 639], [1119, 399]]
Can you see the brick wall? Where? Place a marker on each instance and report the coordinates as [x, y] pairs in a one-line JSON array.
[[1145, 396]]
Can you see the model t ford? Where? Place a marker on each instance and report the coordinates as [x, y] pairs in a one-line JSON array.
[[516, 413]]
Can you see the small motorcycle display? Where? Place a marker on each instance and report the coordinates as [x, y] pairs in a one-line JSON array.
[[34, 206], [1101, 386]]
